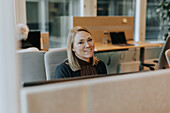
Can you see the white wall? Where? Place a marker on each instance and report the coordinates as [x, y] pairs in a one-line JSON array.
[[9, 79], [88, 7], [20, 8], [140, 20]]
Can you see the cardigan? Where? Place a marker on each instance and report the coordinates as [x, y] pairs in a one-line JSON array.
[[64, 71]]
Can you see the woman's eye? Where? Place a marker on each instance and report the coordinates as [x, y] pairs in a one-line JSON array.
[[81, 42], [90, 40]]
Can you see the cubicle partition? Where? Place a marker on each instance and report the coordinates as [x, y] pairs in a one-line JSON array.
[[44, 41], [145, 92], [99, 25]]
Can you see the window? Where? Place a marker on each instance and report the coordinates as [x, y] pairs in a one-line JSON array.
[[32, 15], [53, 16], [116, 7], [153, 22]]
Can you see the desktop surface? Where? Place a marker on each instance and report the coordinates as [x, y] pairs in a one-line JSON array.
[[99, 47]]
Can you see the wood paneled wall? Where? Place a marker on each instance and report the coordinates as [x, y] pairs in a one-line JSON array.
[[98, 25], [44, 41]]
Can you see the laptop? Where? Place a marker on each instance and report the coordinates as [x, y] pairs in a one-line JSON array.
[[118, 38]]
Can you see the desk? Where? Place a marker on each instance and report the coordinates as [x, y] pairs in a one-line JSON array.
[[99, 47]]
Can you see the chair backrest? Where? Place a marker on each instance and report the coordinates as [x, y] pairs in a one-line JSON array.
[[32, 66], [52, 59], [167, 54], [162, 64]]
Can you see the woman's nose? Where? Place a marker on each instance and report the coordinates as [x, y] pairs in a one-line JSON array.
[[87, 44]]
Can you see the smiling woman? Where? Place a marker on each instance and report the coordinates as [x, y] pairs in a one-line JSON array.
[[80, 52]]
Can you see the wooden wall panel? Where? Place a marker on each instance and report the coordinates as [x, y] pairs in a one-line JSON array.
[[45, 41], [98, 25]]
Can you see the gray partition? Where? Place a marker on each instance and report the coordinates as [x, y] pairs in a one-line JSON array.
[[32, 66]]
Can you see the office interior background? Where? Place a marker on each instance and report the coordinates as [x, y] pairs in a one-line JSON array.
[[54, 16]]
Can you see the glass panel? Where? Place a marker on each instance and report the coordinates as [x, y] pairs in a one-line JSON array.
[[37, 15], [56, 15], [153, 22], [32, 15], [60, 14], [116, 7]]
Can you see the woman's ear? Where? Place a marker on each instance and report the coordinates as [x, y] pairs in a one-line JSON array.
[[73, 48]]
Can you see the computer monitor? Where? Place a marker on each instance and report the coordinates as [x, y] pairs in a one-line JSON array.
[[34, 39], [118, 38]]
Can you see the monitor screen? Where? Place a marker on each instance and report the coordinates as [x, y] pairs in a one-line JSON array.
[[34, 39], [118, 37]]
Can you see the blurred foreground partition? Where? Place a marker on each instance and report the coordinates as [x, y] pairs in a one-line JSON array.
[[145, 92]]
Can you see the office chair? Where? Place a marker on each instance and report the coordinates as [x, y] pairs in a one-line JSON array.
[[52, 59], [32, 66], [167, 55], [162, 62]]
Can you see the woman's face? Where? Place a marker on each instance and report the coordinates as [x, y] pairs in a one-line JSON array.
[[83, 45]]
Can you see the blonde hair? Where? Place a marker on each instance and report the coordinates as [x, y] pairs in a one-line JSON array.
[[72, 60], [22, 31]]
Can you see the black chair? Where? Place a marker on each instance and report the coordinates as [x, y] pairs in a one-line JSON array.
[[162, 62], [167, 54]]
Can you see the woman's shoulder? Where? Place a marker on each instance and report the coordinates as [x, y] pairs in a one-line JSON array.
[[101, 67], [100, 62], [63, 64], [63, 70]]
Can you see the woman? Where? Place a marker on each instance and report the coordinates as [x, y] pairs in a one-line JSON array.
[[80, 52]]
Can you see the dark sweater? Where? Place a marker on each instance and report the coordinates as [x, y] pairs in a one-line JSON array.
[[64, 71]]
